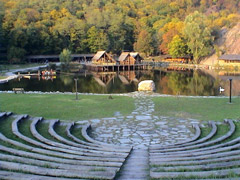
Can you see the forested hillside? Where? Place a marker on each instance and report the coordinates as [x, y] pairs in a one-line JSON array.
[[152, 27]]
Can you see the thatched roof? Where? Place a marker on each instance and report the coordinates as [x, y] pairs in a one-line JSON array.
[[98, 55], [230, 57], [123, 56]]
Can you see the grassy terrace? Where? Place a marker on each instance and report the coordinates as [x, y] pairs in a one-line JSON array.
[[64, 107]]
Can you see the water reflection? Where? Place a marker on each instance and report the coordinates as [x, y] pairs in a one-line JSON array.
[[178, 81]]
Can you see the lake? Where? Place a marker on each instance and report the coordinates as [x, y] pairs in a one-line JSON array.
[[172, 81]]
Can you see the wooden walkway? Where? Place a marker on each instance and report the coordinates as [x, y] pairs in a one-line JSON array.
[[115, 67]]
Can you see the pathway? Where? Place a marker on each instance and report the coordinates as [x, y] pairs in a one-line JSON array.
[[140, 129], [136, 167]]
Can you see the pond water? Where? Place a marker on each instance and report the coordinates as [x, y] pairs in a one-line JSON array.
[[167, 80]]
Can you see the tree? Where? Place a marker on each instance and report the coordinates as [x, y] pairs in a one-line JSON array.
[[177, 47], [198, 35], [16, 54], [65, 56], [97, 40], [144, 43]]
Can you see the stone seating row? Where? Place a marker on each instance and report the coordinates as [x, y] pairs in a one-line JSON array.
[[203, 158], [39, 156], [202, 144]]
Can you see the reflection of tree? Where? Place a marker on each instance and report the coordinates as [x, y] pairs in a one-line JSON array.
[[202, 85], [67, 80], [189, 84]]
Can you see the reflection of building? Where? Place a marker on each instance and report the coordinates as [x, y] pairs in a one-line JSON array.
[[104, 78], [229, 59], [129, 75], [103, 58]]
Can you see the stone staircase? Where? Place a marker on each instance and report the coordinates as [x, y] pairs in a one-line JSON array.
[[25, 153], [203, 158], [41, 149]]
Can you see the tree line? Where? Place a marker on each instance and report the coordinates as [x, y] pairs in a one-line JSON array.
[[152, 27]]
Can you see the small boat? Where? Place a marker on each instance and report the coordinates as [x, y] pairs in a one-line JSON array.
[[27, 77], [48, 73]]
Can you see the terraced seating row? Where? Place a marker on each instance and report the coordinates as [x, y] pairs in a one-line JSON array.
[[206, 157], [25, 151]]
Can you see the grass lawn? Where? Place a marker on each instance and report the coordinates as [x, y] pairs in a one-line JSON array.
[[216, 109], [64, 107]]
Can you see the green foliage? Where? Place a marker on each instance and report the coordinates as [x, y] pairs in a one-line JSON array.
[[65, 56], [97, 40], [47, 27], [198, 35], [144, 43], [16, 54], [177, 47]]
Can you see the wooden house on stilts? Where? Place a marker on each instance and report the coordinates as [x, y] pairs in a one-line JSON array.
[[127, 58], [103, 58]]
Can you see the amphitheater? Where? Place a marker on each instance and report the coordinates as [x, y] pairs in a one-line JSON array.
[[140, 146]]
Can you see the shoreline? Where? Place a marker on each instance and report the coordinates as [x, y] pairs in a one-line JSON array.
[[11, 74], [130, 94]]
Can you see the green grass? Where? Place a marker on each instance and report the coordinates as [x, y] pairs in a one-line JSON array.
[[64, 107], [205, 109], [42, 128]]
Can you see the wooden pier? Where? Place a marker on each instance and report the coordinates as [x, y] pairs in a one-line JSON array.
[[115, 67]]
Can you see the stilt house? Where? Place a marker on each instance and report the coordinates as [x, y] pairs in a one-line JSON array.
[[127, 58], [103, 58]]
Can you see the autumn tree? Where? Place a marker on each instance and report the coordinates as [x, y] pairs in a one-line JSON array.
[[198, 35], [144, 43]]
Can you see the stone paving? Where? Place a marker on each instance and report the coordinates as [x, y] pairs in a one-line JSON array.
[[141, 128]]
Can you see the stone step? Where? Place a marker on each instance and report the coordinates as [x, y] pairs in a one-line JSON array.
[[9, 175], [2, 114], [59, 154], [43, 157], [196, 158], [205, 144], [192, 154], [136, 166], [61, 151], [54, 165], [56, 172], [204, 167], [87, 128], [73, 146], [53, 133], [194, 138], [198, 174], [213, 132], [198, 162]]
